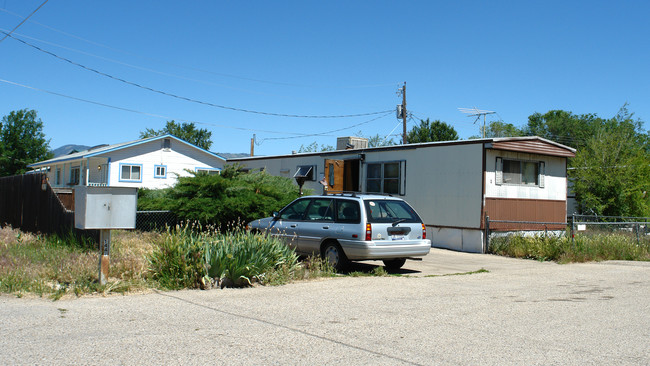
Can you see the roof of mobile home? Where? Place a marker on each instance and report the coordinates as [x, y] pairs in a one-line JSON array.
[[528, 144]]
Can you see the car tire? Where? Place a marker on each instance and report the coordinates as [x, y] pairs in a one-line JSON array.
[[394, 264], [333, 254]]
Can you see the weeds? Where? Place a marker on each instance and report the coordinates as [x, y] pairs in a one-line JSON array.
[[563, 250]]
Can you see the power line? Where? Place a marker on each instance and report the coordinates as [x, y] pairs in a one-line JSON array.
[[186, 98], [198, 69], [21, 23], [297, 135], [326, 132]]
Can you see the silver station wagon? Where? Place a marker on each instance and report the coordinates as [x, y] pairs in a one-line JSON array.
[[345, 227]]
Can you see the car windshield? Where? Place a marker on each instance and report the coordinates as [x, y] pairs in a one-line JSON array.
[[388, 211]]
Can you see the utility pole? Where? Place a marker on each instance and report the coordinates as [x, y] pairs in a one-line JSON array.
[[253, 145], [403, 91]]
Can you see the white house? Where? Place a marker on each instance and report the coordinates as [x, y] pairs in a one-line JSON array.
[[147, 163], [453, 185]]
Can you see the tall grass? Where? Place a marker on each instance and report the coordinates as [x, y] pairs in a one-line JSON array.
[[563, 250], [56, 265], [193, 257]]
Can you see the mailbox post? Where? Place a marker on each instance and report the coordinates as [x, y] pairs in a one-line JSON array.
[[105, 208]]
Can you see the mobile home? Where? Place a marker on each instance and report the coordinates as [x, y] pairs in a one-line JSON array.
[[454, 185]]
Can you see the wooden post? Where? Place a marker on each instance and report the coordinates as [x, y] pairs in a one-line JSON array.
[[104, 251]]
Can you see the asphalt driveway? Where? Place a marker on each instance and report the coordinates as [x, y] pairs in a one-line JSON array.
[[520, 312]]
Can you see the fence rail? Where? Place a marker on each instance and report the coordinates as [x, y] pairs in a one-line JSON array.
[[625, 225], [545, 224]]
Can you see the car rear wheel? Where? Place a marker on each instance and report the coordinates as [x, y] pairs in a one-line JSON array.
[[334, 256], [393, 264]]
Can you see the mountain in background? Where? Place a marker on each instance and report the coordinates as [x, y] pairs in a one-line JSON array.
[[67, 149]]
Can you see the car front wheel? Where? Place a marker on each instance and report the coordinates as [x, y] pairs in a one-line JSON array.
[[334, 256]]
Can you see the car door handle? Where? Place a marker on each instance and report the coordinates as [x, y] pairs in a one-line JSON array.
[[326, 227], [293, 225]]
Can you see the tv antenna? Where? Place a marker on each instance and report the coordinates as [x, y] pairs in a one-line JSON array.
[[475, 112]]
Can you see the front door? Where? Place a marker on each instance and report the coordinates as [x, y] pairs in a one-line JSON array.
[[334, 175]]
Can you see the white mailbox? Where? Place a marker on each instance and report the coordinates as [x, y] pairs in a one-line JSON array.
[[105, 207]]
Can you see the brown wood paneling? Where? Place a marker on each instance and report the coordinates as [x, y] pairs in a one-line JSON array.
[[533, 147], [532, 210]]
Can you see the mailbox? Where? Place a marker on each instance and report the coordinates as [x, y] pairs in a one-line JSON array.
[[105, 207]]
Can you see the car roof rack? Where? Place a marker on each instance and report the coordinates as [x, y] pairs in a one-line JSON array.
[[341, 193]]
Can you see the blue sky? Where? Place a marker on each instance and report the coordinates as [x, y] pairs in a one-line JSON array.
[[315, 58]]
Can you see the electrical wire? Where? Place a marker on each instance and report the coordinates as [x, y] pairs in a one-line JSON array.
[[21, 23], [297, 135], [198, 69], [326, 132], [190, 99]]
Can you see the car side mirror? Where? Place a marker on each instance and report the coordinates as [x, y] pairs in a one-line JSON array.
[[276, 215]]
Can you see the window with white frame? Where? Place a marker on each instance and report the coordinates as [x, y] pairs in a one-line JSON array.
[[385, 177], [519, 172], [160, 171], [208, 171], [131, 172]]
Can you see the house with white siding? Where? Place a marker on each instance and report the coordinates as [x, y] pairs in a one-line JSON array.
[[453, 185], [154, 162]]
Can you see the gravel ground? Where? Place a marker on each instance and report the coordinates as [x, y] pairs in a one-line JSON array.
[[520, 312]]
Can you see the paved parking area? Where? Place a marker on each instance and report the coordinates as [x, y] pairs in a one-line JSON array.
[[520, 312]]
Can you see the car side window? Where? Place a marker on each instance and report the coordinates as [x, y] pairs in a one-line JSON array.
[[294, 211], [348, 211], [321, 209]]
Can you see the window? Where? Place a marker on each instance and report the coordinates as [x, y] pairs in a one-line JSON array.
[[208, 171], [74, 175], [307, 171], [519, 172], [160, 171], [321, 209], [58, 176], [390, 211], [295, 211], [385, 178], [130, 173], [167, 144], [347, 211]]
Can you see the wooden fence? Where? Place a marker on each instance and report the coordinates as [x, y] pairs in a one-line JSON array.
[[28, 202]]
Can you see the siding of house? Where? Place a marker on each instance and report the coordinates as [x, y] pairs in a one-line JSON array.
[[150, 154]]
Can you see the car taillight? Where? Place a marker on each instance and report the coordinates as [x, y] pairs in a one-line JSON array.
[[368, 232], [424, 232]]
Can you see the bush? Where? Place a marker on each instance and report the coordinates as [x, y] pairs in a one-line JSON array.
[[562, 249], [188, 258], [219, 199]]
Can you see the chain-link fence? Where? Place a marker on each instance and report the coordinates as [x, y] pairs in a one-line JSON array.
[[637, 228], [154, 220], [504, 228]]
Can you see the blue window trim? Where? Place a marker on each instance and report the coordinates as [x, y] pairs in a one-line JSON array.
[[130, 180], [155, 171]]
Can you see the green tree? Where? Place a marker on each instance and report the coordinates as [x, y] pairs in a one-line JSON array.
[[611, 170], [378, 141], [313, 147], [184, 131], [222, 200], [563, 127], [502, 129], [431, 131], [22, 142]]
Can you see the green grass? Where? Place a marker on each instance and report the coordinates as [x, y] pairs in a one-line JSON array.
[[563, 250]]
